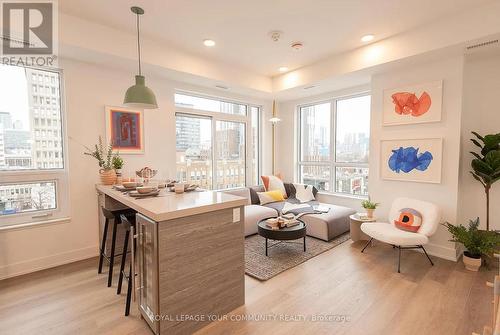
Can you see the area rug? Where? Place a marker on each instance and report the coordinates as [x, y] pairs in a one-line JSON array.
[[282, 256]]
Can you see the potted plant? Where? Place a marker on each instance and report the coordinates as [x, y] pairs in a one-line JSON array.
[[369, 207], [104, 158], [477, 242], [486, 165]]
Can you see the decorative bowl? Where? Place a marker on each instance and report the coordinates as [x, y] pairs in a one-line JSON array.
[[145, 189], [130, 184]]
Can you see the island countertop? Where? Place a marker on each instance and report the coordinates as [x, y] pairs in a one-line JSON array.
[[168, 205]]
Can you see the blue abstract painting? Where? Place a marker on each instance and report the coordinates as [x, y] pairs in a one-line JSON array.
[[407, 159]]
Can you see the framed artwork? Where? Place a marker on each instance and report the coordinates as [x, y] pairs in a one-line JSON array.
[[418, 160], [125, 129], [413, 104]]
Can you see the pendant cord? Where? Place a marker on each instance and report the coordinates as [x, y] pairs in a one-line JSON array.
[[138, 45]]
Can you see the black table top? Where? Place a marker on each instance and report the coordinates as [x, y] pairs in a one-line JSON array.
[[286, 233]]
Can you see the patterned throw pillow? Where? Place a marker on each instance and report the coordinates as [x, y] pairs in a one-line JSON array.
[[270, 196], [304, 193], [272, 183], [409, 220]]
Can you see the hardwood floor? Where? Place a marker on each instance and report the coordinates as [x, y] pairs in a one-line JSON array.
[[365, 288]]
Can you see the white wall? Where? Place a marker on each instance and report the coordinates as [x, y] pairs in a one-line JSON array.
[[88, 88], [481, 114], [444, 194]]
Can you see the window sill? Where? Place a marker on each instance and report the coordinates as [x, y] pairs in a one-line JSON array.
[[30, 225], [343, 195]]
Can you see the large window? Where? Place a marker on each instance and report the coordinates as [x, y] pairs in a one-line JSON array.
[[334, 139], [32, 161], [211, 140]]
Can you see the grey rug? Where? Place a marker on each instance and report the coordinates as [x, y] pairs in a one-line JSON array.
[[282, 256]]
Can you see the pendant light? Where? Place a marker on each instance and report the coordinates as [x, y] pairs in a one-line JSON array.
[[139, 95]]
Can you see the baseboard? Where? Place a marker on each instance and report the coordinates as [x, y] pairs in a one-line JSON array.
[[441, 252], [42, 263]]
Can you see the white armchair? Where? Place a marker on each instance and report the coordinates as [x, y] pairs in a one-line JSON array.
[[401, 239]]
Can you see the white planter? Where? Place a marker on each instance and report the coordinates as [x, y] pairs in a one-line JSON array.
[[471, 264]]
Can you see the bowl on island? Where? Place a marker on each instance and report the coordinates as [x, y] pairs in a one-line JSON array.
[[145, 189], [130, 184]]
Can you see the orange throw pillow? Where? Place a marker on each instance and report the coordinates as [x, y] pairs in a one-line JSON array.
[[409, 220]]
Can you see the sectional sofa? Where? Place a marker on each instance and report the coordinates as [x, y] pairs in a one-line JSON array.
[[324, 226]]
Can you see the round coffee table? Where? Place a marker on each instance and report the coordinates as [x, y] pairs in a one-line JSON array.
[[282, 234], [355, 226]]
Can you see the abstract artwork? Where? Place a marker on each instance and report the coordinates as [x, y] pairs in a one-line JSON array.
[[412, 160], [124, 128], [413, 104]]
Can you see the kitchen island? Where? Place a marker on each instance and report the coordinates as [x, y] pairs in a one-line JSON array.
[[189, 258]]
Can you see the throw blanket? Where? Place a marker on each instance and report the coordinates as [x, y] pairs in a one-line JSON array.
[[292, 205]]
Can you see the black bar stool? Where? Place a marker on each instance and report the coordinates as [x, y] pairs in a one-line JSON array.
[[115, 216], [127, 222]]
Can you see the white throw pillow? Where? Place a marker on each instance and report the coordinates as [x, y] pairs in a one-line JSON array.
[[272, 183], [304, 193]]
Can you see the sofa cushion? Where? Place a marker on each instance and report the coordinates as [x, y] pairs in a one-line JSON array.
[[254, 198], [388, 233], [240, 192], [255, 213], [272, 183], [270, 196], [329, 225], [290, 190], [304, 193]]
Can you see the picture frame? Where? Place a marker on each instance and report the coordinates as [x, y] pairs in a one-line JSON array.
[[413, 104], [125, 129], [413, 160]]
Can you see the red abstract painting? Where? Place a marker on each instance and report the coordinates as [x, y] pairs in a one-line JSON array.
[[407, 103]]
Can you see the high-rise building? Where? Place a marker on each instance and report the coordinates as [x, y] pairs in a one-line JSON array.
[[5, 120], [187, 133], [45, 118]]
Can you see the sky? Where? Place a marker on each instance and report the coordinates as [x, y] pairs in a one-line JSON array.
[[14, 94]]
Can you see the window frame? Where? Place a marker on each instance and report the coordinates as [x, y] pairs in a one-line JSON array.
[[58, 175], [221, 116], [332, 164]]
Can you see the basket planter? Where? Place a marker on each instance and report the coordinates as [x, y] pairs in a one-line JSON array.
[[471, 263], [108, 177]]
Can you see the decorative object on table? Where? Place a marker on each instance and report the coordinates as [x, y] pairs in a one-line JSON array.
[[369, 206], [139, 95], [145, 189], [413, 104], [477, 242], [125, 129], [130, 184], [182, 187], [117, 162], [179, 188], [282, 234], [270, 196], [274, 121], [486, 165], [104, 157], [146, 174], [417, 160]]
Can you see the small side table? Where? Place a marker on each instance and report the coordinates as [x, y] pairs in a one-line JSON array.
[[355, 225]]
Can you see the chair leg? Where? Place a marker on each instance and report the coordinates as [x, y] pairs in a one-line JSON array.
[[112, 256], [122, 265], [129, 291], [399, 259], [425, 252], [367, 244], [103, 245]]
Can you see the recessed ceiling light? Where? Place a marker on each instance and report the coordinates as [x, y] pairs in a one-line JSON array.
[[209, 43], [283, 69], [367, 38]]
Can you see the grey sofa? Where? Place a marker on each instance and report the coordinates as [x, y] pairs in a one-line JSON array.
[[324, 226]]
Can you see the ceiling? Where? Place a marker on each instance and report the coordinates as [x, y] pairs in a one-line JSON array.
[[240, 27]]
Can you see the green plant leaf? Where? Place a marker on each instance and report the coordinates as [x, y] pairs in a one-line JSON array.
[[476, 155], [476, 143], [477, 135]]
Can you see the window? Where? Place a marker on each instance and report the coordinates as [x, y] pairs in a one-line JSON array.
[[33, 185], [211, 141], [334, 138]]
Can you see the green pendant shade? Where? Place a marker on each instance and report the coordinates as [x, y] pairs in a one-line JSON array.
[[140, 96]]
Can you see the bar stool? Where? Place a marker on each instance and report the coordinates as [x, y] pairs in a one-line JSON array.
[[115, 216], [128, 223]]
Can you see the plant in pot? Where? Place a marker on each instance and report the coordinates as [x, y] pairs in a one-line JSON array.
[[117, 162], [369, 206], [477, 242], [486, 165], [104, 157]]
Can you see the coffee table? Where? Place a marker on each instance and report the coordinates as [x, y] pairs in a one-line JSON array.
[[283, 234]]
